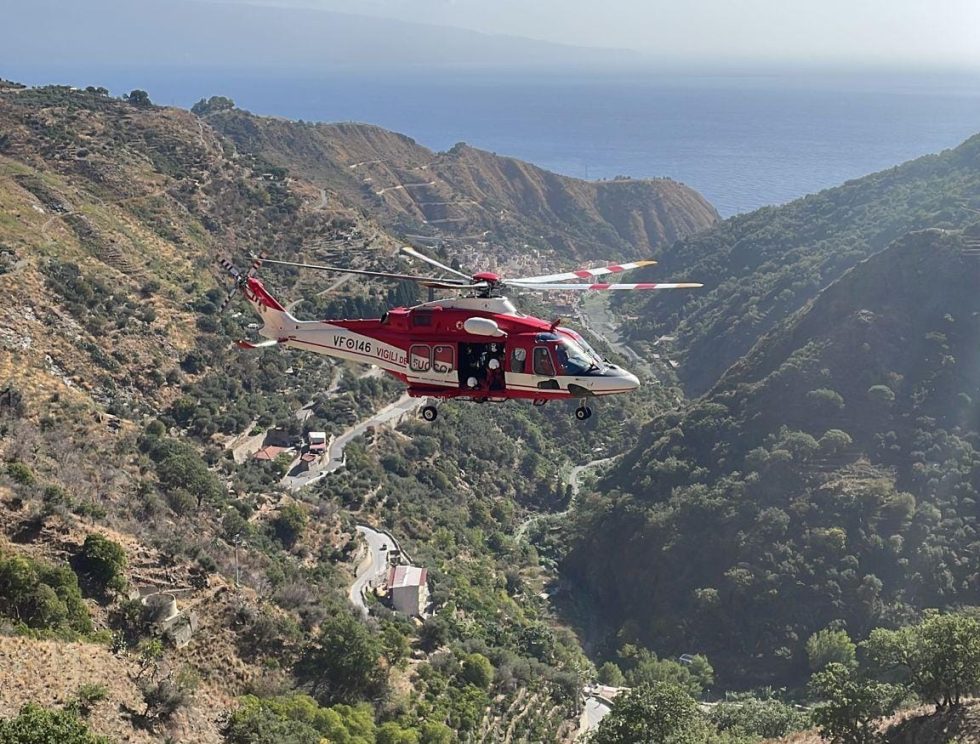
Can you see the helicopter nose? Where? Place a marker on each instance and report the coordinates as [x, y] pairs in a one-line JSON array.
[[615, 380]]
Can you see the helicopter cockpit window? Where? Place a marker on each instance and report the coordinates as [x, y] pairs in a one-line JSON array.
[[518, 360], [574, 359], [443, 359], [542, 362], [419, 358], [593, 355]]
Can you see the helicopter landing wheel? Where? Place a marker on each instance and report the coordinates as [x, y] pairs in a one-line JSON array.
[[429, 413], [583, 412]]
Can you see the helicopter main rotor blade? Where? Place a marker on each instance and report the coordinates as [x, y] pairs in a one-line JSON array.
[[422, 257], [364, 272], [440, 284], [596, 287], [582, 273]]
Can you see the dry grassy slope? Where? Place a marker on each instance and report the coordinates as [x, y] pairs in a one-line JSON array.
[[915, 726], [140, 200], [56, 671], [466, 191], [131, 196]]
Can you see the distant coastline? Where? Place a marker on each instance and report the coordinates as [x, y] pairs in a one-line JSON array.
[[744, 141]]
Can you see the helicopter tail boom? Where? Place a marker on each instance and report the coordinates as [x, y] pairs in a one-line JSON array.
[[276, 319]]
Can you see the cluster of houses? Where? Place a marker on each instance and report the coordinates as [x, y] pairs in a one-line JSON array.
[[313, 448]]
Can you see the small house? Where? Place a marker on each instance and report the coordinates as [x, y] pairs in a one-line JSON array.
[[317, 442], [408, 589]]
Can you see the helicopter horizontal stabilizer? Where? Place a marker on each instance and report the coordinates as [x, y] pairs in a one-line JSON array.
[[242, 344]]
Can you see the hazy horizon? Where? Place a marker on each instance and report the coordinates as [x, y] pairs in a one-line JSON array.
[[874, 33], [320, 36]]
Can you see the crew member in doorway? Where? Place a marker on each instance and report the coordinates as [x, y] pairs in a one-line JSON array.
[[495, 375]]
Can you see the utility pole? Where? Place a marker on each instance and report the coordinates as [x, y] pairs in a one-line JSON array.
[[237, 541]]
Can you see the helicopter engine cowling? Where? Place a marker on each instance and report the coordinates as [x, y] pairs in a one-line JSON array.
[[482, 327]]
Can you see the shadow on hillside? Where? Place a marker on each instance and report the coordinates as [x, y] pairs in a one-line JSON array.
[[959, 723]]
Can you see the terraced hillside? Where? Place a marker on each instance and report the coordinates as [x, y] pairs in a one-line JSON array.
[[471, 196], [120, 393]]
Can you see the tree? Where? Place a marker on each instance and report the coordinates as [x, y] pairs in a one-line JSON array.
[[342, 666], [745, 717], [139, 98], [37, 725], [829, 646], [644, 668], [477, 671], [297, 719], [165, 696], [610, 674], [290, 523], [392, 733], [852, 705], [41, 595], [257, 723], [180, 467], [939, 658], [102, 561], [434, 732], [212, 105], [663, 712]]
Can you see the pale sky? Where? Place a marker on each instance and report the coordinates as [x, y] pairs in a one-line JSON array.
[[883, 32]]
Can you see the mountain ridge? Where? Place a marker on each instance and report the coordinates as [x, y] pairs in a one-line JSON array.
[[762, 266], [830, 476], [467, 191]]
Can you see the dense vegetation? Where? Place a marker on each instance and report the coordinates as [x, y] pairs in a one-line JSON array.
[[831, 476], [38, 596], [823, 493], [760, 267]]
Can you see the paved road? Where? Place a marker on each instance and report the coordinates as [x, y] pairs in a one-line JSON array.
[[573, 479], [598, 320], [334, 460], [593, 712], [374, 564]]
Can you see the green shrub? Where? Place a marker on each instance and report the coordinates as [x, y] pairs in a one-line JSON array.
[[37, 725], [290, 523], [41, 596], [88, 695], [20, 472], [831, 646], [477, 671], [102, 562]]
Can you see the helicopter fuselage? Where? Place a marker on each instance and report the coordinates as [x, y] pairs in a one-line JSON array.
[[481, 348]]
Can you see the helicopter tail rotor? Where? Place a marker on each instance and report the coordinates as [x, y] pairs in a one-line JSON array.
[[240, 279]]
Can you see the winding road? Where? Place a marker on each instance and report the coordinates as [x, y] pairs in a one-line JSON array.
[[572, 479], [374, 564], [334, 459], [596, 318]]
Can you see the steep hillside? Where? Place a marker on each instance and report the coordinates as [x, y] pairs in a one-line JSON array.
[[760, 267], [122, 407], [474, 195], [832, 475]]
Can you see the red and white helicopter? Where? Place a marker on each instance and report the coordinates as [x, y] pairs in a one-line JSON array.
[[477, 347]]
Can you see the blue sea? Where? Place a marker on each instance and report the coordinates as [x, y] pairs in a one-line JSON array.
[[742, 140]]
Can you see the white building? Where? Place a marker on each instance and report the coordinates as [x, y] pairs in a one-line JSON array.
[[409, 590], [317, 442]]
